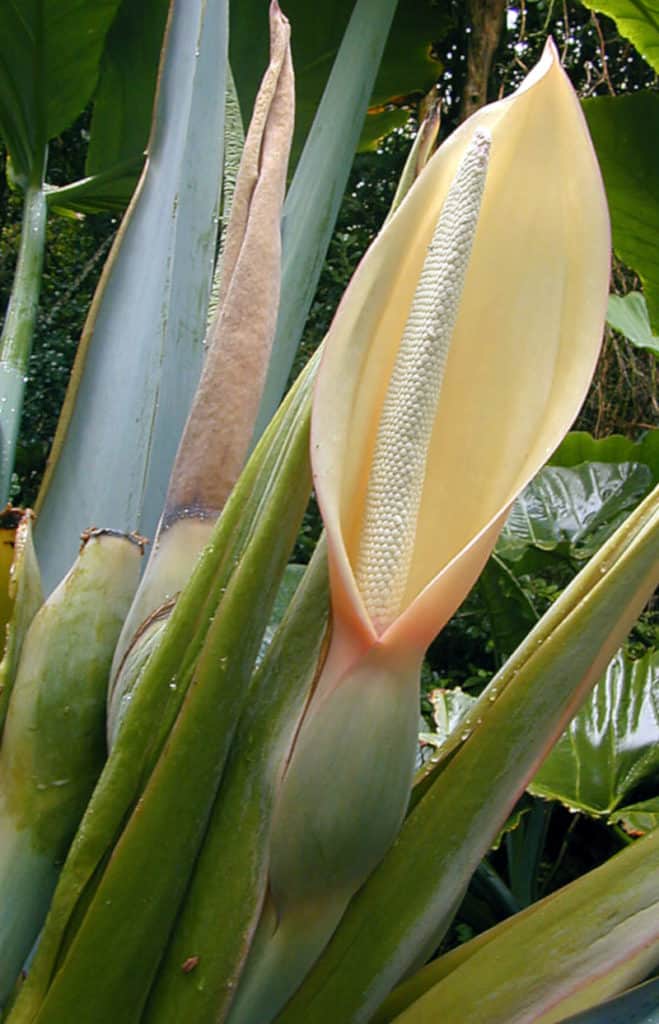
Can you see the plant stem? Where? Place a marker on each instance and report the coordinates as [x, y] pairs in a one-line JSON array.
[[16, 340]]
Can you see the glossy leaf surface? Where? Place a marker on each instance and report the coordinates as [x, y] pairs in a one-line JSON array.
[[573, 509], [611, 747]]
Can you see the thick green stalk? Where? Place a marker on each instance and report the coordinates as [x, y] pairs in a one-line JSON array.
[[54, 739], [237, 841], [25, 597], [569, 952], [400, 914], [170, 750], [16, 340]]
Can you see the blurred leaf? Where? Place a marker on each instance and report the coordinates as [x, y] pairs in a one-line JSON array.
[[638, 1006], [507, 607], [625, 130], [376, 126], [637, 20], [289, 583], [140, 355], [611, 748], [449, 707], [579, 446], [573, 508], [639, 818], [123, 101], [49, 61], [628, 314], [108, 192]]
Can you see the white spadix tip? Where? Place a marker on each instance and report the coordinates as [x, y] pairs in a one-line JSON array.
[[408, 413]]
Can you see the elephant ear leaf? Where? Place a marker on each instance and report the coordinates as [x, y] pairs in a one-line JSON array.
[[50, 52], [121, 118], [610, 751], [573, 509]]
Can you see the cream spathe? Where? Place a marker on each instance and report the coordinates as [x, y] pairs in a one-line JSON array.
[[527, 333]]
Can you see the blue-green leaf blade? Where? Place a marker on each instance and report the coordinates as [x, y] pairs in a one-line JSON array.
[[141, 352]]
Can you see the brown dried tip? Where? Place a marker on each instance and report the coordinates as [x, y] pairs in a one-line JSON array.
[[10, 516], [219, 429], [97, 531]]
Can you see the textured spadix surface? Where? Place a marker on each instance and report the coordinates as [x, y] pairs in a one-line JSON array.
[[528, 327]]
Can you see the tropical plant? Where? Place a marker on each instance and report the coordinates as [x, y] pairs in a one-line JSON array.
[[257, 846]]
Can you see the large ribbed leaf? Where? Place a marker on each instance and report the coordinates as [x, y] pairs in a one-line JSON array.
[[610, 750], [625, 130], [638, 20], [49, 60], [141, 350], [573, 509]]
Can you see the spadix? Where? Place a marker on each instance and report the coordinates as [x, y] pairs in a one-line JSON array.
[[397, 475]]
